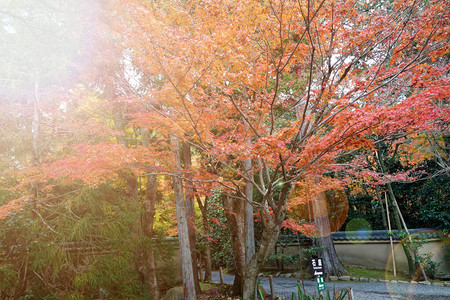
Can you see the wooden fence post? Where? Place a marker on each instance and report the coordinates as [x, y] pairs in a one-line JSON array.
[[390, 235], [271, 287], [350, 294]]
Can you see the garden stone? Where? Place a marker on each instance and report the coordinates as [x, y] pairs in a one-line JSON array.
[[344, 278], [363, 279], [447, 283], [437, 283], [425, 282], [383, 280], [372, 280], [402, 281], [354, 278], [394, 281], [333, 278]]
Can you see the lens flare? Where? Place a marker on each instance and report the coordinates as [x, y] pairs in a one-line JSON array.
[[358, 231], [327, 210], [437, 251]]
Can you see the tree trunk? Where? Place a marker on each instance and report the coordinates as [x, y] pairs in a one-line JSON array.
[[147, 220], [190, 213], [331, 263], [249, 223], [207, 259], [206, 228], [383, 212], [183, 235], [268, 239], [235, 214], [413, 248]]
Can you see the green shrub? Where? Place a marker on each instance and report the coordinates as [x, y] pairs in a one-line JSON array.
[[79, 246]]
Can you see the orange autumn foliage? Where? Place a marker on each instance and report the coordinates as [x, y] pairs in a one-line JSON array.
[[289, 84]]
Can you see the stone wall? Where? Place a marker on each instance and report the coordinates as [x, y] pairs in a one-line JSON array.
[[354, 249], [359, 252], [377, 254]]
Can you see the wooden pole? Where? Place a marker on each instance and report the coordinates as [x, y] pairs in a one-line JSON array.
[[272, 296], [350, 294], [221, 276], [394, 202], [390, 235]]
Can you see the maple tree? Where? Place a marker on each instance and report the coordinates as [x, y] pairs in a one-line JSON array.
[[289, 85]]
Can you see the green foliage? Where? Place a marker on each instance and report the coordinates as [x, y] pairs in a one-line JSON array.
[[424, 260], [260, 293], [445, 237], [82, 245], [362, 206], [285, 259], [219, 235], [312, 251], [302, 295], [8, 281], [430, 265], [424, 203], [305, 255]]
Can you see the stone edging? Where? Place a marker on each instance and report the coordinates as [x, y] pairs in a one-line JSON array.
[[362, 279]]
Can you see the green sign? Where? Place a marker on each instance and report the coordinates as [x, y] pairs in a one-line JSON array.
[[320, 284]]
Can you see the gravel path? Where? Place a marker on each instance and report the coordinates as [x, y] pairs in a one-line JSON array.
[[361, 290]]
